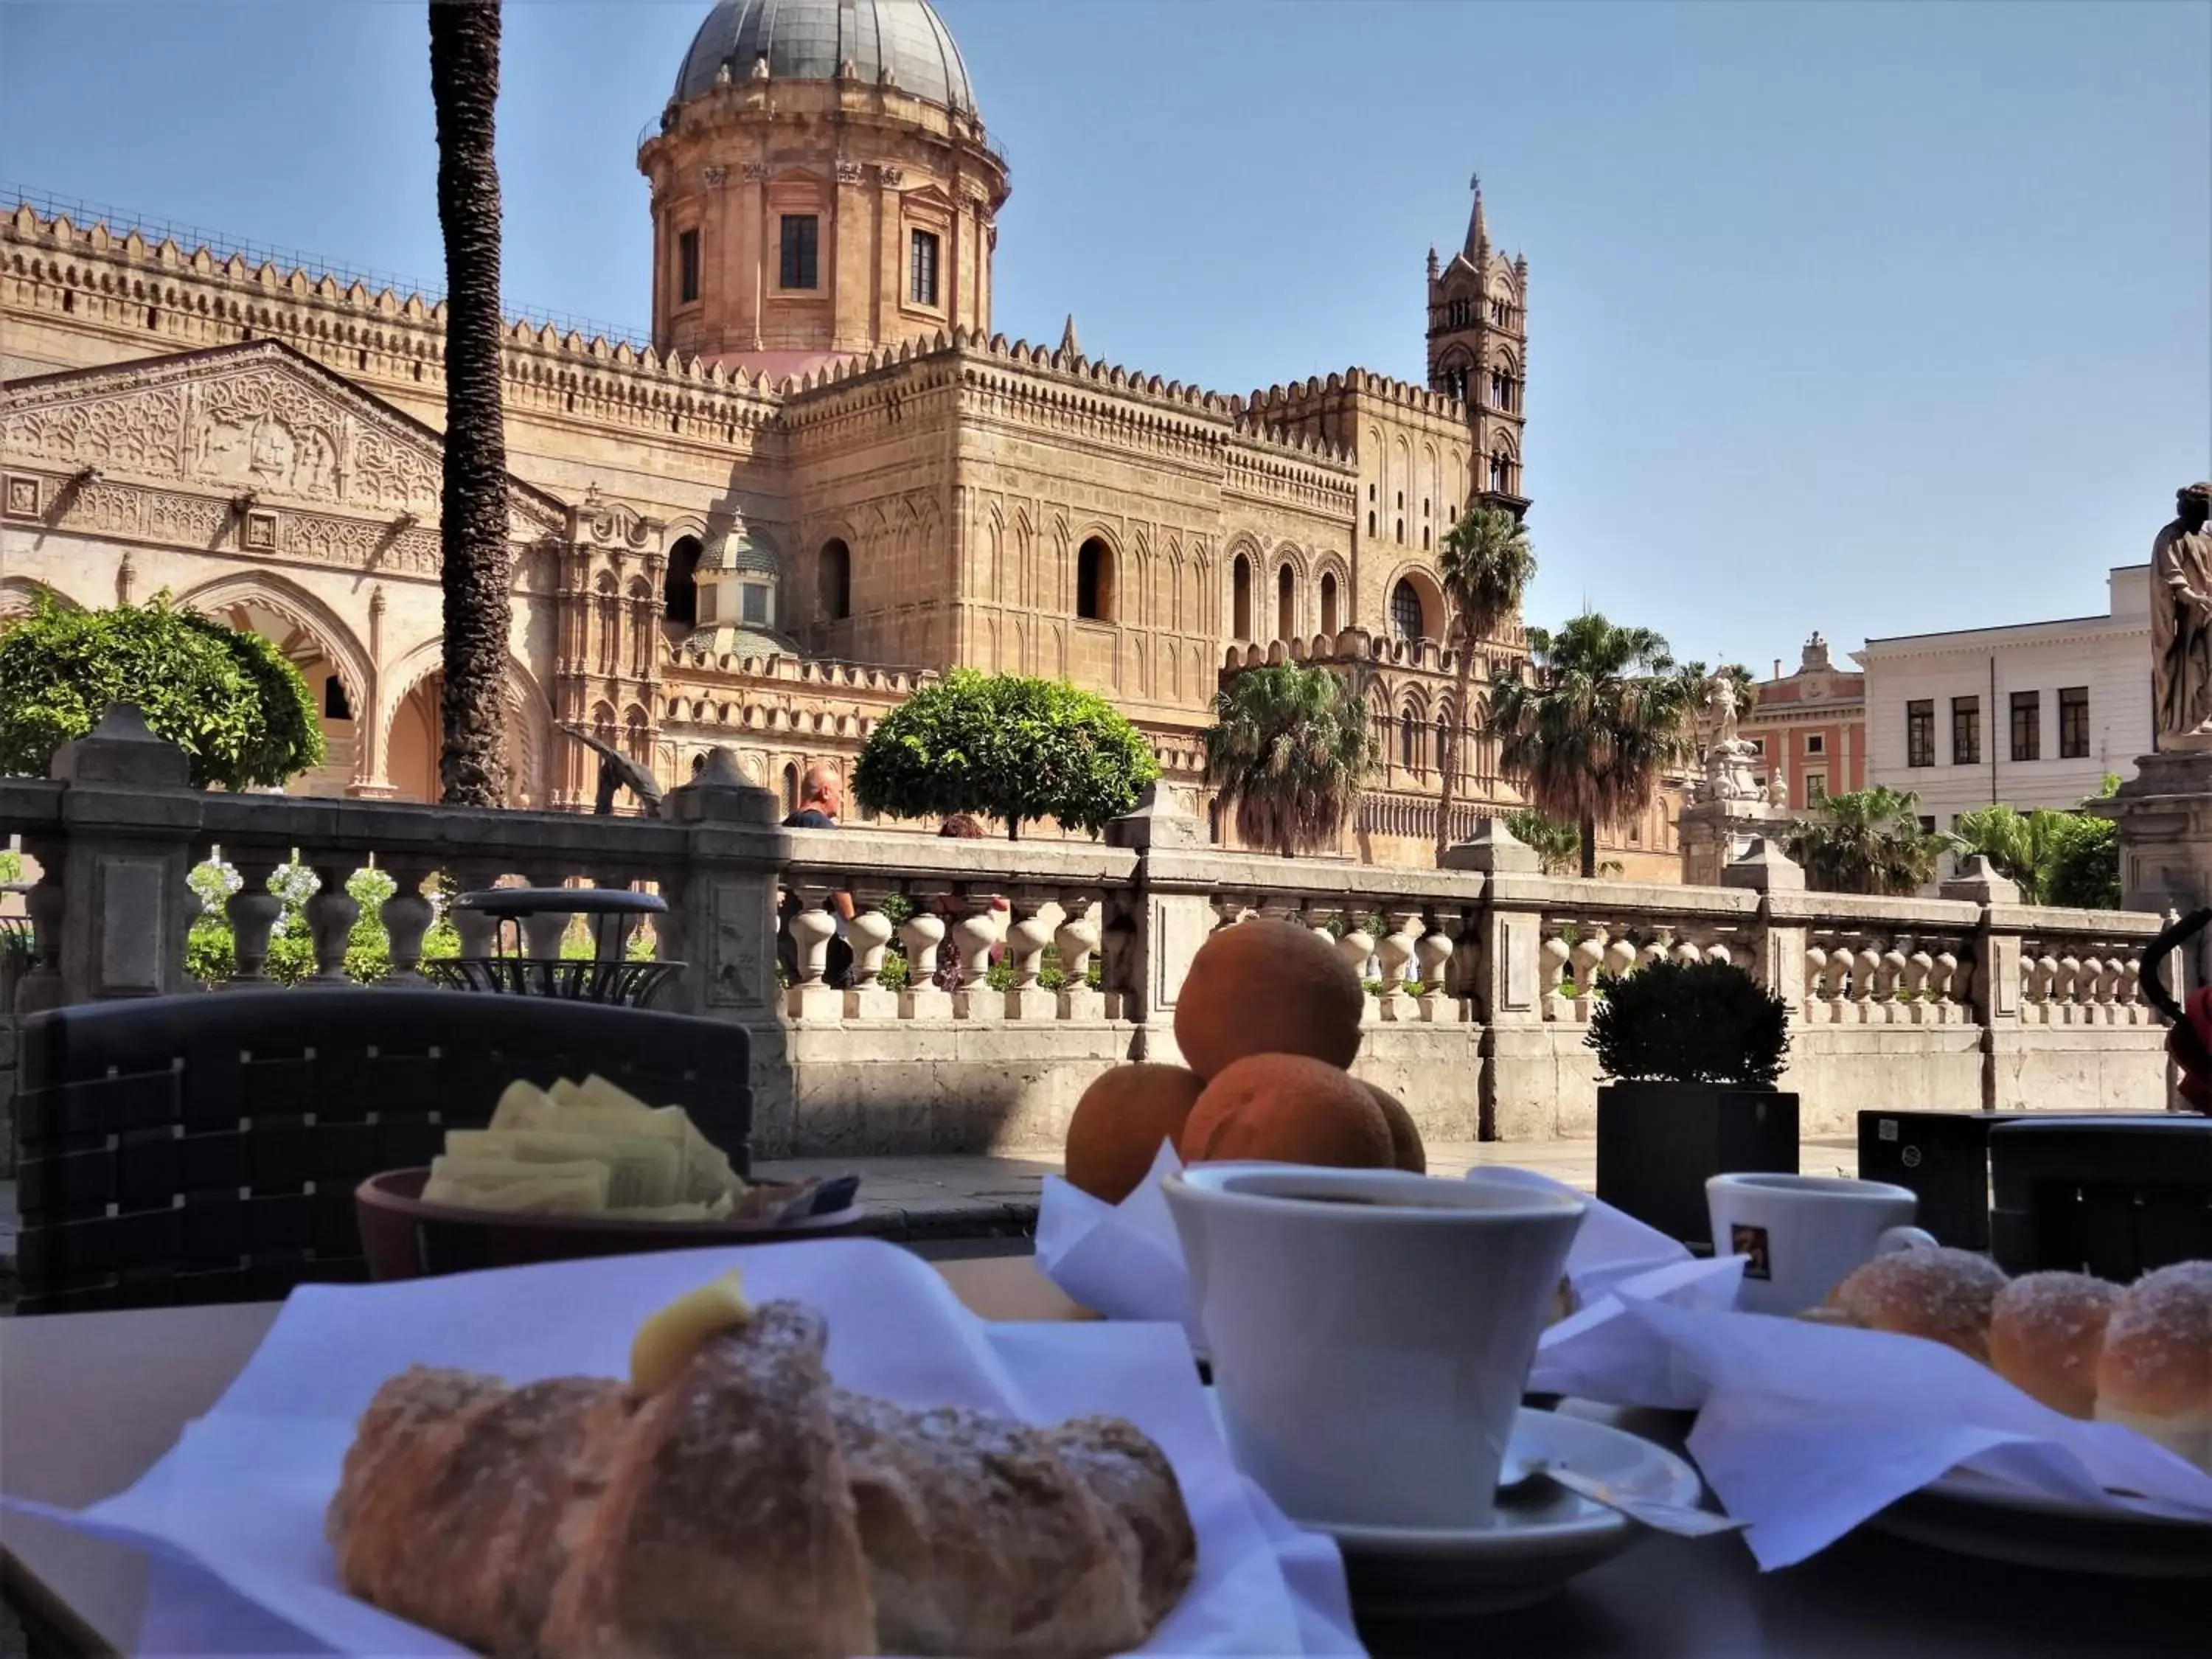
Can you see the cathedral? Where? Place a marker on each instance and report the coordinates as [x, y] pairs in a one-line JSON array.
[[821, 481]]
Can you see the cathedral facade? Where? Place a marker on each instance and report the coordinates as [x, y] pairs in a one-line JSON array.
[[823, 480]]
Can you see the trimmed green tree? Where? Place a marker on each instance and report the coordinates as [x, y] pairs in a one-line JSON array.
[[229, 699], [1592, 731], [1006, 747], [1288, 751]]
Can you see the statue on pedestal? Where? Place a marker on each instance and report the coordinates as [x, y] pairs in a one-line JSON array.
[[1729, 758], [2181, 623]]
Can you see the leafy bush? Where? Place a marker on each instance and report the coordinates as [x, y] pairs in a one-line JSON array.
[[1004, 747], [1866, 841], [227, 698], [11, 864], [1705, 1022]]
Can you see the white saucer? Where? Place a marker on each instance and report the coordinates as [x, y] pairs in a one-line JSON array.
[[1541, 1535], [1971, 1514]]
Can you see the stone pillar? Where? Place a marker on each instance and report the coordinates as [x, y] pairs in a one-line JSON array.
[[723, 914], [2165, 817], [1997, 965], [1170, 923], [1711, 831], [1514, 1051], [1778, 962], [133, 819]]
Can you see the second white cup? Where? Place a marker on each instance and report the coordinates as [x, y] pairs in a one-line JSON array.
[[1803, 1235]]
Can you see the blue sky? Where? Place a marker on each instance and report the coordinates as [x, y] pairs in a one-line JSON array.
[[1870, 317]]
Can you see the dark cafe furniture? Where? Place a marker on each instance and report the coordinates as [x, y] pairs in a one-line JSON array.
[[83, 1415], [606, 976], [206, 1147], [2113, 1197]]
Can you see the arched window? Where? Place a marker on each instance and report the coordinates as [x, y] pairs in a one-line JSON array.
[[1424, 538], [834, 578], [1371, 520], [679, 588], [790, 789], [1498, 473], [1409, 742], [1405, 611], [1287, 603], [1240, 598], [1443, 744], [1094, 582], [1328, 621]]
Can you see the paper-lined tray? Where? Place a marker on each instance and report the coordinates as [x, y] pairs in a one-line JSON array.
[[242, 1493]]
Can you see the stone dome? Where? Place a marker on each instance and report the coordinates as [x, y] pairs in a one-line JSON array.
[[809, 40]]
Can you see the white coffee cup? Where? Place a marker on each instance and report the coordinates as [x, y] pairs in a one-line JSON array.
[[1804, 1234], [1371, 1330]]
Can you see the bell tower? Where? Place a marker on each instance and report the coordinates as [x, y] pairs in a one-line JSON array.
[[1478, 353]]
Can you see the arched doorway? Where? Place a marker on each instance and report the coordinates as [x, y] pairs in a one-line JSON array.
[[679, 588]]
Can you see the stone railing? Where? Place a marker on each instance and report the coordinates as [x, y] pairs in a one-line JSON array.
[[1483, 974]]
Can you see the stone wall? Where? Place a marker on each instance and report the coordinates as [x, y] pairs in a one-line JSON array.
[[1487, 968]]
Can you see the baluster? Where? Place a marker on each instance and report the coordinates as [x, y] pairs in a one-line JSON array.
[[1467, 966], [923, 933], [1395, 951], [972, 937], [1866, 965], [1116, 949], [1315, 915], [1718, 952], [1555, 954], [1356, 947], [1432, 959], [1890, 981], [253, 910], [1919, 969], [2132, 1009], [1078, 939], [869, 933], [2065, 989], [480, 933], [1654, 950], [1686, 952], [2089, 988], [1942, 985], [1962, 990], [1027, 934], [42, 987], [1816, 971], [812, 927], [2042, 978], [1588, 952], [407, 916], [1620, 956], [1229, 909], [331, 912]]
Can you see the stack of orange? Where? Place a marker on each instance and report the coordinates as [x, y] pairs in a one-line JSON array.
[[1267, 1020]]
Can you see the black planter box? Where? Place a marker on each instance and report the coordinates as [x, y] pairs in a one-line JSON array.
[[1658, 1142]]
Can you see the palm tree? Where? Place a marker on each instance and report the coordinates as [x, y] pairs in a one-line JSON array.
[[472, 515], [1866, 841], [1289, 749], [1591, 732], [1558, 847], [1486, 565]]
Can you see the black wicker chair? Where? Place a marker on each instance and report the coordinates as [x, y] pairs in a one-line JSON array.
[[205, 1148]]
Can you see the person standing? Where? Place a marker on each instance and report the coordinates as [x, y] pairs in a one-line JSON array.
[[820, 797]]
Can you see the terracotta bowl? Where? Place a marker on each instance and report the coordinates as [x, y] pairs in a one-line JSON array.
[[405, 1239]]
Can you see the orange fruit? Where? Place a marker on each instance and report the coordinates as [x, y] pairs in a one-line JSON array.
[[1120, 1122], [1291, 1108], [1267, 988], [1407, 1151]]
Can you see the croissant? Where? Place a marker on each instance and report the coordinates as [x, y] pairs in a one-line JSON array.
[[747, 1507]]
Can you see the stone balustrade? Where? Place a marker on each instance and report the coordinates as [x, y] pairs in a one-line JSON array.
[[1482, 976]]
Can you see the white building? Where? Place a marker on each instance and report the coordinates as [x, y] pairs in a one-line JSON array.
[[2031, 715]]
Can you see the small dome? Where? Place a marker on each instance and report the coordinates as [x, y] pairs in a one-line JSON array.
[[809, 40], [736, 550]]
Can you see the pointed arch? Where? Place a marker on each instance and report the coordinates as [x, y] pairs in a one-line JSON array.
[[286, 598]]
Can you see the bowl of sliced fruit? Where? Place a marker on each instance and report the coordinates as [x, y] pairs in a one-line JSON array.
[[580, 1169]]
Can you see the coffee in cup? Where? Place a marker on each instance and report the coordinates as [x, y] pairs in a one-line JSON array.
[[1801, 1235], [1371, 1330]]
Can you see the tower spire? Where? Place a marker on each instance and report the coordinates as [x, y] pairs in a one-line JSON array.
[[1068, 343], [1478, 228]]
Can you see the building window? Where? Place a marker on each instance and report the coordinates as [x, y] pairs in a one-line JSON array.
[[834, 576], [1401, 531], [801, 233], [1424, 538], [687, 267], [1816, 743], [1920, 733], [752, 601], [1329, 605], [921, 285], [335, 707], [1816, 788], [1409, 742], [1406, 612], [679, 588], [1401, 501], [2027, 725], [1927, 823], [1286, 602], [1094, 582], [1370, 492], [1965, 731], [1371, 520], [1240, 598], [2074, 723], [1758, 747]]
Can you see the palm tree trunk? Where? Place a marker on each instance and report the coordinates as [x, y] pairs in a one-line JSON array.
[[1588, 827], [473, 512], [1455, 730]]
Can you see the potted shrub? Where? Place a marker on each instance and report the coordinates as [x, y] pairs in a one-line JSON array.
[[1690, 1053]]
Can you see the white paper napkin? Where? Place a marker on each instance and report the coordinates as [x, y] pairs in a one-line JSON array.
[[1805, 1430], [242, 1494]]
